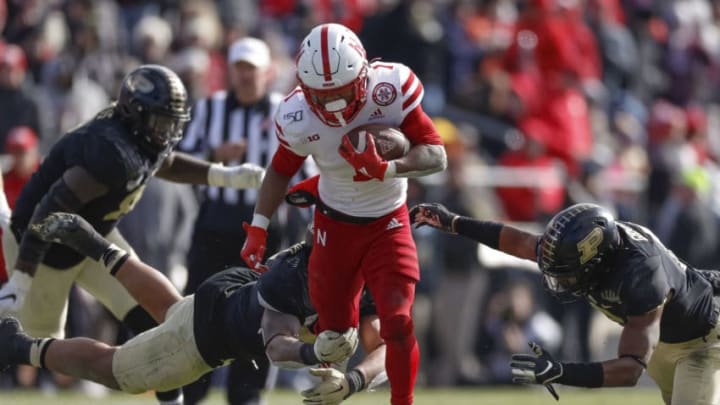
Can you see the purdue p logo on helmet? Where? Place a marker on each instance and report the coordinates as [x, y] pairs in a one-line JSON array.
[[573, 249]]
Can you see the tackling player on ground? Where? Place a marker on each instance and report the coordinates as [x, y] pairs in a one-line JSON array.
[[668, 310], [236, 315]]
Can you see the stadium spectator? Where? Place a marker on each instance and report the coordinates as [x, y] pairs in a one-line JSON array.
[[18, 106], [235, 315]]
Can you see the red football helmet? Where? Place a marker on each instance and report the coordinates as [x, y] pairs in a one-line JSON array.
[[332, 69]]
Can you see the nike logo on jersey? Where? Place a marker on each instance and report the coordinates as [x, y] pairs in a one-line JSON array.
[[9, 297]]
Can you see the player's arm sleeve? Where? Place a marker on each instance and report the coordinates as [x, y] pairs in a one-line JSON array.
[[69, 193], [416, 124], [286, 160]]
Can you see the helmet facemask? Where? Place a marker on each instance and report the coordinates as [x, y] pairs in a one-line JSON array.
[[338, 106], [162, 131], [567, 284]]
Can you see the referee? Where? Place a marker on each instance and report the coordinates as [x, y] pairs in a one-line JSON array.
[[231, 126]]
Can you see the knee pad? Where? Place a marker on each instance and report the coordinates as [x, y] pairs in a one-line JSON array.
[[396, 327], [138, 320]]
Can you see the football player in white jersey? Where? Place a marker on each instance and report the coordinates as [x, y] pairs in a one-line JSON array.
[[362, 233]]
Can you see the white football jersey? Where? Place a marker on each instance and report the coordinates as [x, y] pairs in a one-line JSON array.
[[393, 92]]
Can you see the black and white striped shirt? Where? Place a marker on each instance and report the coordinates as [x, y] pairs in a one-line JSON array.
[[219, 119]]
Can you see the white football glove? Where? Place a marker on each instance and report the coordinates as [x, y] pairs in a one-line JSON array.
[[334, 347], [331, 390], [246, 175], [12, 294]]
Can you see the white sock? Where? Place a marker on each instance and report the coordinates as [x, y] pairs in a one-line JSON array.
[[5, 211]]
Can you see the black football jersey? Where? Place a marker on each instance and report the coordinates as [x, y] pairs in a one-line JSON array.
[[229, 305], [106, 149], [227, 317], [643, 273]]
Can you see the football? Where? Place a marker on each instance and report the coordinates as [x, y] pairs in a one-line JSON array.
[[390, 142]]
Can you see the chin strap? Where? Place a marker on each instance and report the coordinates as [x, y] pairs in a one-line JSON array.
[[340, 118]]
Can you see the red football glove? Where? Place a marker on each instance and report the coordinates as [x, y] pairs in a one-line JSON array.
[[367, 163], [304, 193], [253, 249]]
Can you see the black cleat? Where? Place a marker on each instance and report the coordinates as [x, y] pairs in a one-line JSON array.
[[12, 341]]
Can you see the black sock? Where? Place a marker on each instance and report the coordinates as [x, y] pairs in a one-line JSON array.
[[169, 396]]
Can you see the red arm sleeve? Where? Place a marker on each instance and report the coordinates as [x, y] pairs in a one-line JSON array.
[[286, 162], [419, 128]]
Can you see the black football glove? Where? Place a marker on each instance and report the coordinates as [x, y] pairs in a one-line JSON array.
[[433, 214], [540, 368], [73, 231]]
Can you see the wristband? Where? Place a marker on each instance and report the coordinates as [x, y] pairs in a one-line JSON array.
[[113, 258], [485, 232], [356, 381], [307, 355], [261, 221], [216, 175], [589, 375]]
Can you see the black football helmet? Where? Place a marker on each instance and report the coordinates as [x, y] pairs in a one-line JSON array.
[[154, 102], [574, 249]]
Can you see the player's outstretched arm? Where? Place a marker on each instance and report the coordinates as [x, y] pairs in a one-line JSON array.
[[271, 194], [150, 288], [183, 168], [281, 336], [496, 235], [639, 337]]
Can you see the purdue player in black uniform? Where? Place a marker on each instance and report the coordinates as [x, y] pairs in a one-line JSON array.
[[668, 310], [236, 314], [99, 170]]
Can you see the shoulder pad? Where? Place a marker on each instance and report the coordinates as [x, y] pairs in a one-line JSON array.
[[293, 118], [108, 151]]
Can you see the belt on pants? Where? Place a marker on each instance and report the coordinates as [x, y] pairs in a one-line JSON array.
[[341, 217]]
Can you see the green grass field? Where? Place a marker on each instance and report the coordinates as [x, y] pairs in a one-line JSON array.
[[533, 396]]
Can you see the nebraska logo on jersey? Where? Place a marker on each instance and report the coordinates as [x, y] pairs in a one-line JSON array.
[[384, 94]]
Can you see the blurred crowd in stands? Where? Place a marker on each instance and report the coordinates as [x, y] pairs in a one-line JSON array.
[[541, 104]]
